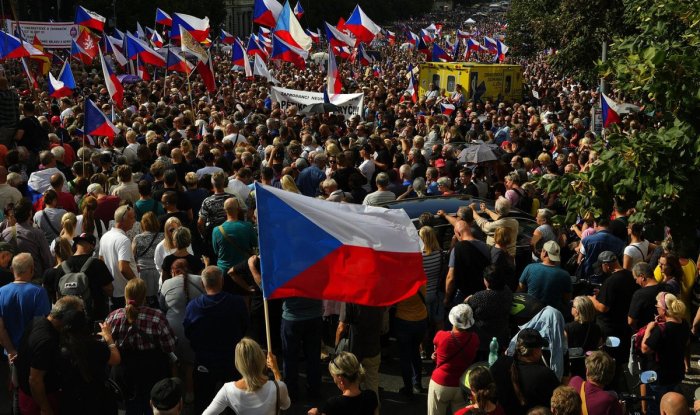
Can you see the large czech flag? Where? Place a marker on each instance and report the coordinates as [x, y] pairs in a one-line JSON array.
[[11, 47], [609, 109], [283, 51], [338, 38], [362, 26], [439, 54], [163, 18], [84, 17], [114, 87], [198, 28], [343, 252], [138, 48], [289, 29], [177, 63], [266, 12], [97, 123], [64, 85]]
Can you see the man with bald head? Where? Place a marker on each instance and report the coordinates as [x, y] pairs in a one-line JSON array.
[[673, 403], [467, 261], [233, 240], [8, 194]]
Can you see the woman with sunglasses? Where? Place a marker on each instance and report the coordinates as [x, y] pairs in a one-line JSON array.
[[347, 373]]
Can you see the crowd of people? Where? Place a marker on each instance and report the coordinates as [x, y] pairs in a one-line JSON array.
[[129, 272]]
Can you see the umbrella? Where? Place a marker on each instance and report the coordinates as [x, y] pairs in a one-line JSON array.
[[478, 153], [128, 79], [470, 21], [407, 45], [319, 57], [320, 108]]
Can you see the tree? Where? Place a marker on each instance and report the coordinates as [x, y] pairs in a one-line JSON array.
[[655, 170]]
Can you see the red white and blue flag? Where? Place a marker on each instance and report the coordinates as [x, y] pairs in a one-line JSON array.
[[439, 54], [112, 45], [198, 28], [84, 17], [412, 38], [266, 12], [609, 109], [163, 18], [177, 63], [289, 30], [472, 46], [315, 37], [255, 48], [11, 47], [97, 123], [362, 26], [343, 252], [333, 83], [138, 48], [227, 38], [447, 109], [114, 87], [391, 37], [463, 34], [239, 57], [283, 51], [155, 38], [64, 85], [298, 10], [490, 44], [343, 52], [336, 37], [501, 50], [365, 59], [426, 36]]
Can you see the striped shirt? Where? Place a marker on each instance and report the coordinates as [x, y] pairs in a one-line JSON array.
[[432, 264]]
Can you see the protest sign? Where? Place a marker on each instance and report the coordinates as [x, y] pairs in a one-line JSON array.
[[350, 104], [53, 35]]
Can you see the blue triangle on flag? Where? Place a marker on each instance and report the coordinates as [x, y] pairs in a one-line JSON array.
[[326, 98], [290, 243]]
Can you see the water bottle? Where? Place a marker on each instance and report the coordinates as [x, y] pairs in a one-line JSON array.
[[493, 351]]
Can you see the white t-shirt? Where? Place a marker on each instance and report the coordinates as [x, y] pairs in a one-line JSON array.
[[98, 224], [240, 190], [115, 246], [260, 402], [637, 251], [367, 169]]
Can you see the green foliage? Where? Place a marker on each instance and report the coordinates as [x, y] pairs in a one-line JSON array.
[[531, 26], [655, 170]]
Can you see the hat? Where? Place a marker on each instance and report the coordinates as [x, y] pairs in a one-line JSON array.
[[461, 316], [439, 163], [85, 237], [95, 188], [552, 250], [607, 257], [531, 338], [166, 394], [55, 120], [7, 247]]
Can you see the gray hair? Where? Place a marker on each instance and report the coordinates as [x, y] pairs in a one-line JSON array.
[[502, 206], [58, 152], [64, 305], [212, 276], [183, 237], [444, 181], [22, 264], [405, 170], [120, 213], [382, 179], [642, 269], [419, 185]]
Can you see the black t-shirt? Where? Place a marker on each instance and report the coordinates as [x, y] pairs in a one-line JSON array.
[[616, 293], [6, 277], [537, 383], [35, 138], [81, 394], [180, 215], [363, 404], [587, 336], [39, 349], [98, 277], [643, 305], [669, 345], [618, 227]]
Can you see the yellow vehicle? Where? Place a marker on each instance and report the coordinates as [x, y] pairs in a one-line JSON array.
[[481, 81]]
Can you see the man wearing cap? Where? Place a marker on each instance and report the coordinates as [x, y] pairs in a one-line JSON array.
[[166, 397], [545, 280], [99, 276], [533, 383], [602, 240], [116, 252]]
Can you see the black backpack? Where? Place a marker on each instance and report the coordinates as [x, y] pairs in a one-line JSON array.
[[524, 201], [77, 284]]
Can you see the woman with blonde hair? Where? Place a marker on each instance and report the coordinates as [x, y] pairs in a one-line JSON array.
[[87, 223], [434, 268], [289, 185], [145, 341], [68, 225], [664, 342], [254, 393], [167, 245], [583, 333], [347, 373], [63, 250]]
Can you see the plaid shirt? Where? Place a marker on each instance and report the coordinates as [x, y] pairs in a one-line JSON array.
[[150, 330]]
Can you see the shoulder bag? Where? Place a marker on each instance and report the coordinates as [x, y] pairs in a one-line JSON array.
[[232, 242]]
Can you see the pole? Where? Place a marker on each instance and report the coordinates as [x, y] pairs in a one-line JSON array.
[[604, 58], [189, 92], [267, 326]]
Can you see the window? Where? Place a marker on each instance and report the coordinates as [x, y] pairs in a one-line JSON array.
[[509, 81], [450, 83], [436, 80]]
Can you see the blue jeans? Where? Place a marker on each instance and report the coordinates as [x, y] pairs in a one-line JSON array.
[[305, 336], [409, 335]]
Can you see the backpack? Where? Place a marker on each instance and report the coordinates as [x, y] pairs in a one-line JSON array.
[[77, 284], [636, 355], [524, 201]]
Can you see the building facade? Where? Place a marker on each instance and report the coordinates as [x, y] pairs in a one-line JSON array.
[[239, 17]]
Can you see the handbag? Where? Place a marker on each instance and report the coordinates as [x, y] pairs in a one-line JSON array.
[[347, 342]]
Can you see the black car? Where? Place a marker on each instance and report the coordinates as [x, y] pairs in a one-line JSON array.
[[415, 207]]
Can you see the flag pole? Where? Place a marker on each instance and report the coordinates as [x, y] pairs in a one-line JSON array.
[[189, 92], [268, 338]]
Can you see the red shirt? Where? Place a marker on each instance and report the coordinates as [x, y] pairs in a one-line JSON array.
[[598, 401], [454, 352], [498, 411], [106, 206], [65, 201]]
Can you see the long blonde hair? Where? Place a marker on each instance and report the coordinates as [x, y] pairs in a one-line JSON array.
[[68, 224], [430, 242], [672, 305], [169, 237], [251, 363], [288, 184]]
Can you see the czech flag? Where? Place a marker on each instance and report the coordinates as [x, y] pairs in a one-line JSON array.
[[254, 48], [412, 89], [439, 54], [64, 86], [227, 38], [177, 63], [391, 36], [365, 59], [501, 50], [412, 38], [447, 109], [463, 34], [138, 48], [472, 46], [298, 10], [112, 46], [260, 69], [490, 44], [198, 28], [333, 83], [11, 47], [84, 17], [610, 111], [455, 49], [424, 49], [283, 51], [315, 37], [114, 87], [426, 36], [238, 53], [362, 26], [337, 37], [155, 38], [343, 252], [289, 30], [85, 47], [342, 52], [163, 18], [97, 123], [266, 12]]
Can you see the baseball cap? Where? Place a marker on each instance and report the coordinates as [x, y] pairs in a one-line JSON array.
[[95, 188], [532, 338], [85, 237], [7, 247], [440, 163], [607, 257], [166, 394], [552, 250], [462, 316]]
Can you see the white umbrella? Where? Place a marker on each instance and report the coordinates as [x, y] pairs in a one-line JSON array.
[[470, 21], [319, 57]]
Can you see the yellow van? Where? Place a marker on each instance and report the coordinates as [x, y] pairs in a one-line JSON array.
[[481, 81]]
